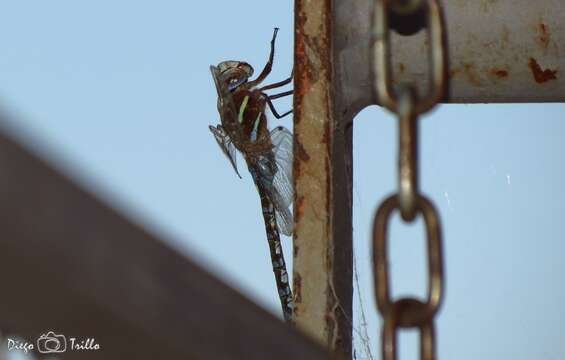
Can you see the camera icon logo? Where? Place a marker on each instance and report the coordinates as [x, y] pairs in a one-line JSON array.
[[51, 343]]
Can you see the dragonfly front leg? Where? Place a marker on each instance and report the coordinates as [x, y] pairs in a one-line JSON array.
[[268, 66], [280, 83], [272, 107]]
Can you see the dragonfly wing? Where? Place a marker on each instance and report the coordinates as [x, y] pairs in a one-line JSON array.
[[219, 87], [282, 141], [225, 144], [226, 107], [283, 214], [263, 171], [228, 135], [284, 221]]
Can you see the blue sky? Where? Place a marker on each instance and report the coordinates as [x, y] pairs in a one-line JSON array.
[[119, 96]]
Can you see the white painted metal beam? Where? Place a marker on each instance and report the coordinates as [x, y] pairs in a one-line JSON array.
[[498, 51]]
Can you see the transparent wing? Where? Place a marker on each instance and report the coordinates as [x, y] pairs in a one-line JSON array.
[[228, 135], [220, 89], [282, 141], [226, 145], [263, 172], [284, 221], [226, 108]]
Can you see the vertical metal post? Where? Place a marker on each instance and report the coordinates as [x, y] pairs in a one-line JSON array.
[[322, 180]]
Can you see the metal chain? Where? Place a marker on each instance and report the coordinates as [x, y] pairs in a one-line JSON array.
[[407, 312]]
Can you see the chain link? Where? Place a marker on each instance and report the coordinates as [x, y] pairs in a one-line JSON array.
[[382, 63], [408, 312], [406, 7], [380, 256], [407, 154]]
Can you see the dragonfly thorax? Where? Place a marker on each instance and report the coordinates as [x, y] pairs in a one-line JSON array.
[[250, 105]]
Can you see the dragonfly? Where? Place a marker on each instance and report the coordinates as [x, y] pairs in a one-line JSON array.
[[242, 105]]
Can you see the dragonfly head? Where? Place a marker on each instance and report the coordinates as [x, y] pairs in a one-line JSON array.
[[235, 73]]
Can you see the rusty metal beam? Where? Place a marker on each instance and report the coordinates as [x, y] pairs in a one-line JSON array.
[[322, 179], [499, 51], [70, 264]]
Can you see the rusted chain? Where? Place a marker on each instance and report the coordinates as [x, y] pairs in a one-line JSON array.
[[404, 102]]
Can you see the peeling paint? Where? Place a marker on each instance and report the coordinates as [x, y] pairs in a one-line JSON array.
[[297, 285], [543, 35], [302, 73], [299, 208], [541, 76], [470, 73], [300, 151], [499, 73]]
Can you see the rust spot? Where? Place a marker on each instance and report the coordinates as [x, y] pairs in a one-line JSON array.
[[297, 285], [300, 151], [296, 170], [306, 52], [309, 50], [401, 68], [499, 73], [326, 139], [326, 135], [469, 71], [541, 76], [299, 206], [544, 35]]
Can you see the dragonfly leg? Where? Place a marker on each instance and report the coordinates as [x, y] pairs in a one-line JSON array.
[[268, 66], [280, 83], [272, 107], [276, 96]]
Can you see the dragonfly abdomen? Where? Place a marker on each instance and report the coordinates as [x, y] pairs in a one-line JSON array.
[[275, 249]]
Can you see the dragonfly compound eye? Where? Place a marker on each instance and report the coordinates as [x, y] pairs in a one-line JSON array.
[[235, 80], [246, 68]]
